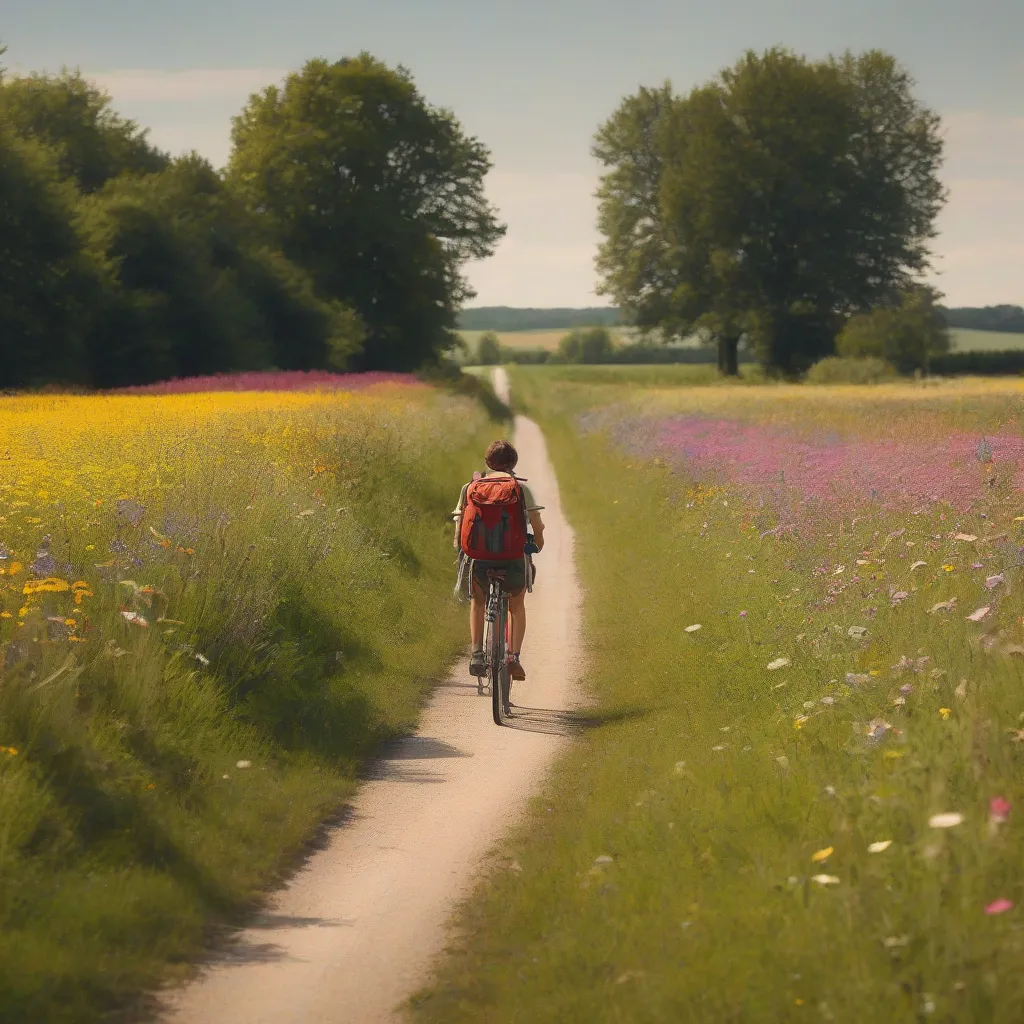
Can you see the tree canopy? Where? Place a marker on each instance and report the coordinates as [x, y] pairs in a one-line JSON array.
[[376, 193], [196, 291], [92, 143], [47, 276], [336, 240], [774, 201]]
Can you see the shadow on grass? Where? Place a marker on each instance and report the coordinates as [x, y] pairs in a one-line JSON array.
[[116, 824], [569, 723]]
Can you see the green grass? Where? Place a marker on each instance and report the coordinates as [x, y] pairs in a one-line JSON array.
[[153, 781], [966, 340], [641, 378], [715, 785]]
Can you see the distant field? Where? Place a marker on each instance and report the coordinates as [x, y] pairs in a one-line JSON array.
[[966, 340], [547, 339]]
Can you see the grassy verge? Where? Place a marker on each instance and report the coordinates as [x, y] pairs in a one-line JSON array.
[[212, 607], [641, 377], [790, 819]]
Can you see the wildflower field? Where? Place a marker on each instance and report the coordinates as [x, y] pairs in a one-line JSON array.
[[805, 624], [212, 607]]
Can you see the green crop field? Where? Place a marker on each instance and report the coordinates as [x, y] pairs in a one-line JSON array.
[[546, 339], [965, 340]]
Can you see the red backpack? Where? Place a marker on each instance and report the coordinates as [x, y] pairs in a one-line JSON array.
[[493, 523]]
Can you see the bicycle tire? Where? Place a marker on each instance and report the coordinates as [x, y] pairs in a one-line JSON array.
[[497, 661]]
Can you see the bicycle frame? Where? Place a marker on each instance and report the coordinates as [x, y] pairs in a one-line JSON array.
[[496, 636]]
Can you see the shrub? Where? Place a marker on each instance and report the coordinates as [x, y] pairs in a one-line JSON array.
[[488, 350], [587, 345], [839, 370], [908, 335]]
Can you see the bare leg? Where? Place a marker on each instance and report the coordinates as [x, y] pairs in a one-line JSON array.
[[476, 617], [517, 612]]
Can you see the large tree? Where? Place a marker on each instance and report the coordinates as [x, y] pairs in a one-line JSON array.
[[378, 194], [47, 277], [790, 194], [633, 257], [74, 118]]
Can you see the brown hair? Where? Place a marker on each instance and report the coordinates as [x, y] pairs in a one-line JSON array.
[[501, 457]]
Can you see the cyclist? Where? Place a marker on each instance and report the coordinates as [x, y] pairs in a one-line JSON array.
[[501, 459]]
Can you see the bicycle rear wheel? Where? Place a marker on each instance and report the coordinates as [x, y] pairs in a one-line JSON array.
[[497, 662]]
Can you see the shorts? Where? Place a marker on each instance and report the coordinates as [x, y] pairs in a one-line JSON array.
[[515, 578]]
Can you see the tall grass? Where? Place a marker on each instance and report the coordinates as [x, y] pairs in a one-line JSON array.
[[211, 608], [806, 808]]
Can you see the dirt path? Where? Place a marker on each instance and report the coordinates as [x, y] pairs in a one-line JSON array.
[[354, 932]]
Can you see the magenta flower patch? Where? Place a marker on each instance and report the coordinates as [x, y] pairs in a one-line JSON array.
[[825, 470]]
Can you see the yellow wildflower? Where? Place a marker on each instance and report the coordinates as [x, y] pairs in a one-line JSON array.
[[945, 712], [15, 568], [823, 855], [50, 585]]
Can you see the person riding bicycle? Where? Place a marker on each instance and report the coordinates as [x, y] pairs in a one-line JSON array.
[[508, 538]]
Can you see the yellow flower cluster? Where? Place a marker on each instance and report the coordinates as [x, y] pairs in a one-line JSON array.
[[80, 470], [51, 585]]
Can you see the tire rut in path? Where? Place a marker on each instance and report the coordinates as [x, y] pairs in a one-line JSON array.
[[355, 931]]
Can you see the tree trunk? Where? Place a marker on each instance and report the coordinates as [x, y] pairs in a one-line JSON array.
[[728, 355]]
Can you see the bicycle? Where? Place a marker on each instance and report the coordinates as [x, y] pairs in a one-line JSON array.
[[496, 645]]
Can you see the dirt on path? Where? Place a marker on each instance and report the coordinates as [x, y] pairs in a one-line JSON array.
[[353, 934]]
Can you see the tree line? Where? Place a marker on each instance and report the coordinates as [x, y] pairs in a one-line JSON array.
[[986, 318], [511, 318], [334, 238], [774, 203]]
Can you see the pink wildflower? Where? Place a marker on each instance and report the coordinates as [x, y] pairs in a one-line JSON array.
[[999, 906], [998, 809]]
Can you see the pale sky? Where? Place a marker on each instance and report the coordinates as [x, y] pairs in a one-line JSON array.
[[533, 79]]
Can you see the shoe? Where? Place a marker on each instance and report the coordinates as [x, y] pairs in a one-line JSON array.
[[515, 670], [477, 664]]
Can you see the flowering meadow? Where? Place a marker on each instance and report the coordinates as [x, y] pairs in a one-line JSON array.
[[801, 797], [270, 380], [212, 606]]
